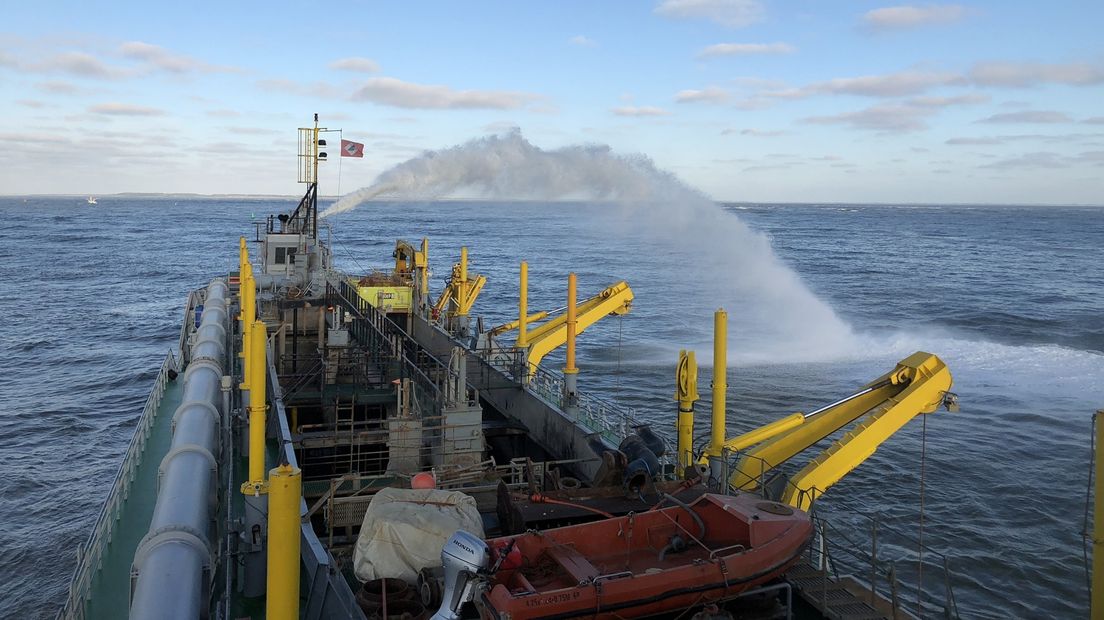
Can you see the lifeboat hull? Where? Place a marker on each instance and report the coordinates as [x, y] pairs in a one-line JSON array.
[[649, 563]]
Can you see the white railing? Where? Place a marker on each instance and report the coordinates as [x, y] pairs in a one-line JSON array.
[[90, 554]]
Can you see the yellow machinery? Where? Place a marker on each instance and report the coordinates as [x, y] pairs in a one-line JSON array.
[[919, 384], [285, 495], [686, 393], [541, 340], [460, 292]]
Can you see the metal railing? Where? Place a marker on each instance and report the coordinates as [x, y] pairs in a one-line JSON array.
[[842, 548], [90, 554], [388, 344], [610, 420], [837, 548]]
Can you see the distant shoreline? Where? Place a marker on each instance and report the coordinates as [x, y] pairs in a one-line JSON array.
[[295, 198]]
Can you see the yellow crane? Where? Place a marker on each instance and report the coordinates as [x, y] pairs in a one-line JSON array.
[[919, 384], [541, 340], [460, 292]]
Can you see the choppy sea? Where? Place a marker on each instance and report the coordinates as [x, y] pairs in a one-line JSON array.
[[1012, 298]]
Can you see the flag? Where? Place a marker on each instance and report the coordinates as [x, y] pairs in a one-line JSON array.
[[351, 149]]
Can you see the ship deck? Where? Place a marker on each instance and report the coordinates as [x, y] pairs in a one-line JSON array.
[[109, 594]]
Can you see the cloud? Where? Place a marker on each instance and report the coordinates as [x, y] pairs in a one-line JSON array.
[[757, 133], [729, 13], [124, 109], [944, 102], [974, 141], [34, 104], [899, 84], [906, 17], [78, 64], [162, 59], [356, 64], [710, 94], [315, 89], [1028, 116], [223, 113], [582, 41], [885, 118], [1027, 74], [746, 49], [501, 127], [251, 131], [1095, 120], [639, 111], [400, 94], [1042, 159]]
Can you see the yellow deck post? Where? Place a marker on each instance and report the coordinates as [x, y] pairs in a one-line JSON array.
[[523, 306], [285, 493], [1097, 599], [720, 381], [686, 392], [462, 286], [570, 367], [248, 291], [257, 404], [423, 275]]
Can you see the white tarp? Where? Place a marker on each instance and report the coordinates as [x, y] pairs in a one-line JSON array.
[[404, 531]]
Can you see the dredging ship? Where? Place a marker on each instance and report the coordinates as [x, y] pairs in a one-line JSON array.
[[326, 444]]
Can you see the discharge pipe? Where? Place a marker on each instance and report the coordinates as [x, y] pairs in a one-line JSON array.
[[174, 560]]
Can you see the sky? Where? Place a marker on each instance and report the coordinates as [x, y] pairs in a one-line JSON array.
[[747, 100]]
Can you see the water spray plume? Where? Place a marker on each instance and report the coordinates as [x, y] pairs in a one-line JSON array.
[[775, 314]]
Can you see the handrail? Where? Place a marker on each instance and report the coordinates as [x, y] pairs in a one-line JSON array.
[[90, 553]]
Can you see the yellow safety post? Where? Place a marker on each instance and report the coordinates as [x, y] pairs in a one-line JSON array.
[[257, 403], [248, 290], [570, 368], [686, 392], [571, 371], [1097, 605], [285, 493], [523, 306], [462, 286], [720, 381], [423, 272]]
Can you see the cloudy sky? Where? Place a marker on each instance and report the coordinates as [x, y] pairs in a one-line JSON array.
[[748, 100]]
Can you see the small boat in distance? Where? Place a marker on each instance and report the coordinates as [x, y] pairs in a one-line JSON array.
[[91, 200]]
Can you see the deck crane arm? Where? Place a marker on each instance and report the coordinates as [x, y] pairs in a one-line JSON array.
[[542, 340], [918, 385], [460, 290]]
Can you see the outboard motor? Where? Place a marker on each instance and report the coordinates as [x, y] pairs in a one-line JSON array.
[[463, 557]]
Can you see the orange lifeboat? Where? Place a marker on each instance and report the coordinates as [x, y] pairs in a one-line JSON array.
[[658, 561]]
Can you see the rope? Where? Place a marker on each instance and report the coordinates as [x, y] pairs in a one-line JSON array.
[[920, 538]]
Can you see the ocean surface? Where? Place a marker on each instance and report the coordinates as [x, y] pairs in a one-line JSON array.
[[822, 298]]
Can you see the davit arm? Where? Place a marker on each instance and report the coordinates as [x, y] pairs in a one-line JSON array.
[[918, 385], [542, 340]]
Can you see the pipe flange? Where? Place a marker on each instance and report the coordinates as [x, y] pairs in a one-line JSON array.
[[168, 534], [196, 403], [188, 447], [205, 361]]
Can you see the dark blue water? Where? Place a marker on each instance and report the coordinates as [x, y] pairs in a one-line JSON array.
[[1010, 297]]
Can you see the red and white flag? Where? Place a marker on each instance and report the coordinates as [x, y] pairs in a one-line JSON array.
[[351, 149]]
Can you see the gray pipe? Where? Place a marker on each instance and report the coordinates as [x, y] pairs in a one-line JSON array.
[[173, 561]]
